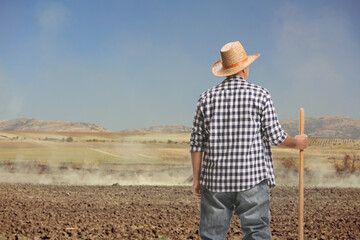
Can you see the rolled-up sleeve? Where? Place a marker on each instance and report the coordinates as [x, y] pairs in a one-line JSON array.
[[271, 127], [198, 138]]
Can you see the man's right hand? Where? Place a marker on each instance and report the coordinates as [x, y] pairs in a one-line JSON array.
[[301, 141]]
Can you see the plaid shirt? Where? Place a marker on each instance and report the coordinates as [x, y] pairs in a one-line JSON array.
[[234, 125]]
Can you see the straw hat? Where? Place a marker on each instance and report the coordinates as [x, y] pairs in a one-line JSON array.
[[233, 60]]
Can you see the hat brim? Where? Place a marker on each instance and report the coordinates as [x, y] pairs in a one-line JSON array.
[[219, 71]]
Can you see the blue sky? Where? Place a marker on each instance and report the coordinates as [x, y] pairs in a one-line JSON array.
[[130, 64]]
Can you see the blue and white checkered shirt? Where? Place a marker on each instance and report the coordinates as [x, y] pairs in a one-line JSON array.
[[234, 125]]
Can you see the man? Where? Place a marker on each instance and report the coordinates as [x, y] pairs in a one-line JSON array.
[[234, 126]]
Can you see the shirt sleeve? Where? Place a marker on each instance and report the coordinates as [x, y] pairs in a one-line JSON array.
[[271, 126], [197, 139]]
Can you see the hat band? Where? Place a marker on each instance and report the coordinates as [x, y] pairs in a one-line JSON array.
[[236, 64]]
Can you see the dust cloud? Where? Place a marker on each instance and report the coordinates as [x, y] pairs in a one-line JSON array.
[[22, 172], [320, 177], [163, 172], [108, 174]]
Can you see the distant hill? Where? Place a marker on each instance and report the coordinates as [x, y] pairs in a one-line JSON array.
[[26, 124], [340, 127], [161, 129]]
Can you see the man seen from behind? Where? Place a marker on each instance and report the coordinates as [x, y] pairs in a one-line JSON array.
[[234, 126]]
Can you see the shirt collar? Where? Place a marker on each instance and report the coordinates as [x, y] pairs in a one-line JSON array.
[[234, 78]]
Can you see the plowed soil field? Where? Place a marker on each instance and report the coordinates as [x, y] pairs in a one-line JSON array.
[[160, 212]]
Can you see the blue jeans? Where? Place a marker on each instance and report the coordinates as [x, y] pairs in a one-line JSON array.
[[251, 206]]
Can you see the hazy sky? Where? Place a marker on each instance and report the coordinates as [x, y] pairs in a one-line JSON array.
[[129, 64]]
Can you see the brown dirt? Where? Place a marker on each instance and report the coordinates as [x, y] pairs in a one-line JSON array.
[[160, 212]]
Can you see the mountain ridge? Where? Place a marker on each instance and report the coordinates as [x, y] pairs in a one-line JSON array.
[[32, 124], [160, 129], [329, 126]]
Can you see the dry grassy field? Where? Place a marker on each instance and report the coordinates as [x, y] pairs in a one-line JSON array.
[[94, 158], [46, 192], [108, 158]]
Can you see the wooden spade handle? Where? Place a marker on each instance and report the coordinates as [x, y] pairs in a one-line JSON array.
[[301, 181]]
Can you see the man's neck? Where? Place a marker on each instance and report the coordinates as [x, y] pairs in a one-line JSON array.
[[241, 74]]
